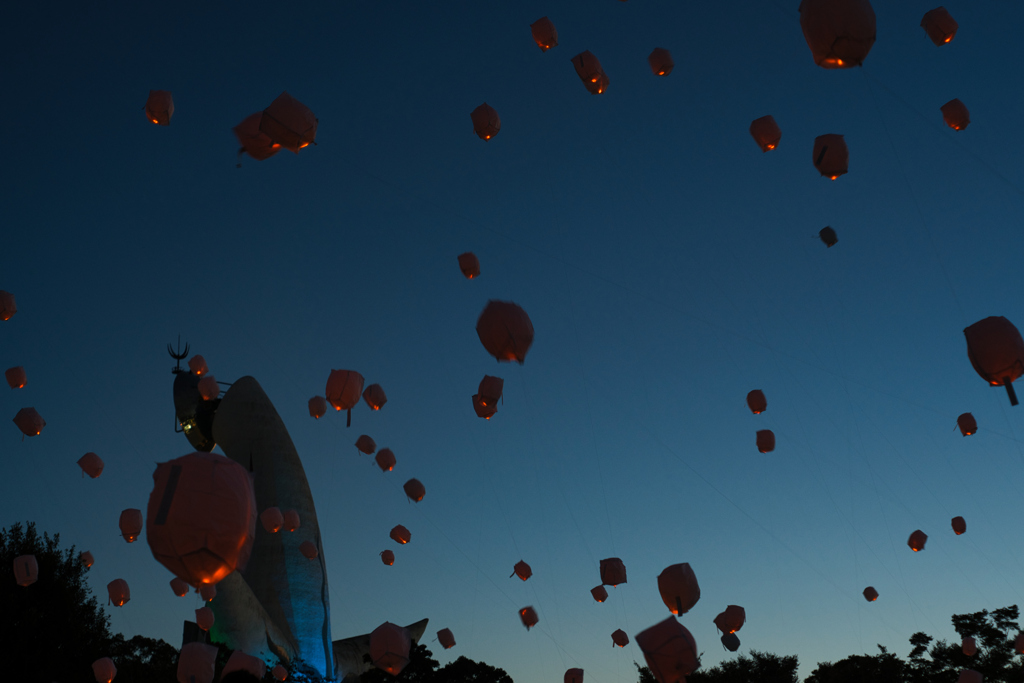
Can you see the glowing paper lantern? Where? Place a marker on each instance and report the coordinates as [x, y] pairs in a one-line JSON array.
[[505, 330], [917, 540], [588, 68], [26, 570], [91, 464], [620, 638], [1018, 644], [528, 616], [29, 421], [613, 571], [955, 114], [757, 402], [309, 550], [160, 107], [415, 490], [196, 663], [482, 409], [389, 648], [387, 557], [599, 593], [103, 670], [870, 594], [86, 558], [239, 661], [730, 641], [522, 570], [469, 264], [486, 122], [272, 520], [343, 390], [996, 350], [375, 396], [766, 441], [16, 378], [959, 525], [208, 388], [255, 143], [678, 587], [118, 592], [197, 366], [939, 25], [445, 637], [670, 651], [8, 306], [967, 424], [574, 676], [766, 133], [731, 620], [208, 592], [828, 236], [840, 33], [401, 534], [969, 647], [366, 445], [831, 156], [317, 407], [201, 517], [179, 587], [291, 520], [544, 34], [661, 62], [289, 123], [490, 389], [130, 524], [385, 459], [204, 618], [279, 672], [970, 676]]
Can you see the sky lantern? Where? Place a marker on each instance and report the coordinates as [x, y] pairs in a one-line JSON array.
[[544, 34], [955, 114], [389, 647], [272, 520], [661, 61], [415, 490], [1018, 644], [840, 33], [765, 440], [917, 540], [208, 592], [831, 156], [343, 390], [401, 534], [240, 661], [482, 409], [103, 670], [197, 366], [201, 517], [967, 424], [375, 396], [291, 520], [317, 407], [613, 571], [600, 593], [619, 638], [870, 594], [588, 68], [204, 618], [574, 676], [731, 620], [309, 550], [26, 570], [969, 676], [528, 616], [366, 445], [279, 672], [490, 390], [828, 236], [16, 378], [208, 388], [445, 637], [160, 107], [766, 133], [130, 524], [505, 330], [86, 558], [959, 525], [196, 663], [969, 647], [996, 351], [670, 651], [385, 459], [289, 123], [255, 143], [939, 25], [91, 464], [179, 587], [118, 592], [8, 306], [730, 641], [30, 422], [387, 557], [678, 587], [757, 402], [522, 570], [469, 264], [486, 122]]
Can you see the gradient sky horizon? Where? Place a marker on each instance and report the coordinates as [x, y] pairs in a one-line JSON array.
[[668, 266]]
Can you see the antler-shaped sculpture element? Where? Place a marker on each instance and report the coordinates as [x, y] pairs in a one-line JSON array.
[[179, 356]]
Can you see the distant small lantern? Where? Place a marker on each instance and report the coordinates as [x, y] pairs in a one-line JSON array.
[[208, 388], [939, 25], [389, 648], [91, 464], [959, 525], [289, 123], [197, 366], [731, 620], [204, 618], [469, 264], [870, 594], [366, 445], [207, 592], [486, 122], [103, 670], [766, 133], [401, 534], [522, 570], [280, 673], [730, 641], [118, 592], [661, 62], [620, 638], [16, 378], [86, 558], [272, 520], [955, 114], [678, 587], [970, 676], [840, 33], [8, 306], [613, 571], [445, 637], [26, 570], [160, 107], [375, 397], [317, 407], [179, 587], [505, 330], [588, 68], [996, 350], [130, 524], [828, 236], [967, 424], [765, 440], [254, 142], [387, 557], [309, 550], [415, 490], [831, 156], [600, 593], [528, 616], [343, 390], [482, 409], [491, 389], [544, 34], [574, 676], [969, 647], [917, 540], [670, 651], [29, 421], [757, 402], [385, 459], [291, 520]]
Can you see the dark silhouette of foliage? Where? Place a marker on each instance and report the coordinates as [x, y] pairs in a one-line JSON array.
[[465, 670], [758, 667], [423, 668], [885, 667]]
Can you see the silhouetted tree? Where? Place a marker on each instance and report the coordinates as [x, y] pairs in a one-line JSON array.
[[464, 670], [885, 667], [759, 667], [420, 669]]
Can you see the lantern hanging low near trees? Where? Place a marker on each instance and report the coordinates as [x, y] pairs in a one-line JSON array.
[[730, 641], [196, 663], [26, 570], [766, 133], [160, 107], [103, 670], [969, 646], [118, 592], [670, 651], [86, 558], [445, 637], [389, 648]]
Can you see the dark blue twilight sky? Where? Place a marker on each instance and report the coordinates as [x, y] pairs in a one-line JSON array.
[[667, 264]]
